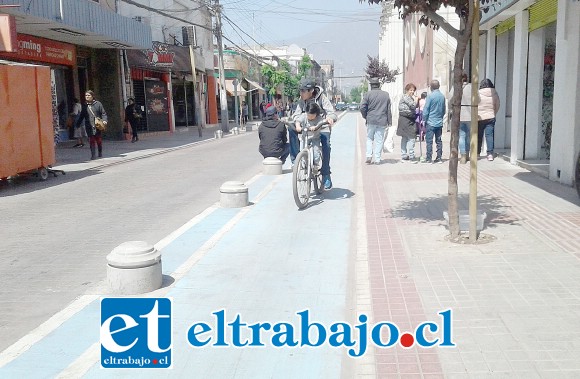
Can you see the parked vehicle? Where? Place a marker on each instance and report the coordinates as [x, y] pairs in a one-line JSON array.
[[353, 107], [340, 106]]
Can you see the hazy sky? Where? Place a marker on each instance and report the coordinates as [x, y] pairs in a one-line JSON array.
[[282, 21]]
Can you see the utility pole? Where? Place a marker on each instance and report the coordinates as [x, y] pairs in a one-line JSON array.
[[223, 96]]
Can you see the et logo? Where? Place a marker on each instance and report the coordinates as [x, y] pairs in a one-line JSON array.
[[136, 333]]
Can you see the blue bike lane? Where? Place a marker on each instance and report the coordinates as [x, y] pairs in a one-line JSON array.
[[265, 262]]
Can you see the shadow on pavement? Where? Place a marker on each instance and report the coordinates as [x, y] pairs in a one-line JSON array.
[[430, 209], [337, 194], [568, 194], [29, 183]]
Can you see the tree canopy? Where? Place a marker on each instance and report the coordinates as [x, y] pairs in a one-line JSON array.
[[376, 69], [428, 9]]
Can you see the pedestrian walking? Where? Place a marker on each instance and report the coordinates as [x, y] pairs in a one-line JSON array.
[[433, 114], [464, 120], [132, 117], [375, 108], [488, 107], [406, 126], [90, 111], [244, 113], [79, 132]]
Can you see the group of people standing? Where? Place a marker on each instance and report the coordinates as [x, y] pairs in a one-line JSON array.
[[424, 115]]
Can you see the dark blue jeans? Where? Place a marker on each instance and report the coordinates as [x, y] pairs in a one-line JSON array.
[[433, 132], [324, 141], [485, 127]]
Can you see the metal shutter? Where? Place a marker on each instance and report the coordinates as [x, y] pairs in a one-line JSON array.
[[542, 13]]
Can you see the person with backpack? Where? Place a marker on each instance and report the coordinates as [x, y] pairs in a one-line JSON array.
[[311, 93]]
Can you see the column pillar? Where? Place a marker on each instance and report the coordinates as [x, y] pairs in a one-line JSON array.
[[519, 86], [566, 131]]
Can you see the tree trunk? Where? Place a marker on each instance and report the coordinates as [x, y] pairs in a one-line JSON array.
[[452, 191]]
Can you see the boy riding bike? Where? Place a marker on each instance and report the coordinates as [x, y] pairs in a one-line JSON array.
[[310, 93]]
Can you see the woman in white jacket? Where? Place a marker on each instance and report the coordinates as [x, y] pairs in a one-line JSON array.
[[488, 107]]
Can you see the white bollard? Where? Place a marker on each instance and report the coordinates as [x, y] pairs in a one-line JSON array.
[[233, 195], [134, 267], [272, 166], [218, 134]]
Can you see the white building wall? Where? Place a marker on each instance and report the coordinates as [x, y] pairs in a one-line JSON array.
[[391, 50], [566, 121], [534, 136], [519, 86], [502, 130]]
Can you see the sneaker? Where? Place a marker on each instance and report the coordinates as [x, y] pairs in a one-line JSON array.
[[490, 157], [438, 160], [427, 161], [327, 182], [377, 162], [414, 161], [368, 161]]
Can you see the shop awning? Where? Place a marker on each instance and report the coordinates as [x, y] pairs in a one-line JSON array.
[[255, 86], [230, 88]]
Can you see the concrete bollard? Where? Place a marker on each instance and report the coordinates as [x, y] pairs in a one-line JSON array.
[[236, 131], [250, 127], [134, 267], [272, 166], [218, 134], [233, 195]]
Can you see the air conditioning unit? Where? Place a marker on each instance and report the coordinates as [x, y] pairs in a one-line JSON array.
[[189, 35], [143, 19]]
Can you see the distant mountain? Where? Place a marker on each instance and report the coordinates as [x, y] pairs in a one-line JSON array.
[[349, 44]]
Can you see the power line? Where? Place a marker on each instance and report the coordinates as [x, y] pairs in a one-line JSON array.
[[167, 15]]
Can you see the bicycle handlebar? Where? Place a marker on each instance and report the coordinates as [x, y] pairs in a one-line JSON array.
[[290, 123]]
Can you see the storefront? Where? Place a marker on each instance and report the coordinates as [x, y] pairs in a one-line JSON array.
[[162, 85], [61, 58]]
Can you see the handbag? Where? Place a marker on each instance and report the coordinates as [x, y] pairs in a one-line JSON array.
[[99, 123]]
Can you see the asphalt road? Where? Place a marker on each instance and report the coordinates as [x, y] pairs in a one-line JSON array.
[[56, 234]]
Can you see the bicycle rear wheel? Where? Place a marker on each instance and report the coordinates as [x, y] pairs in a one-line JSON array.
[[301, 180]]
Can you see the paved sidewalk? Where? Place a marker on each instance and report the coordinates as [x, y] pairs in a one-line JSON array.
[[515, 301], [69, 158]]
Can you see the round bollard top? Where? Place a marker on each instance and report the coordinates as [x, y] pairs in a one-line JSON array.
[[233, 187], [133, 254], [272, 161]]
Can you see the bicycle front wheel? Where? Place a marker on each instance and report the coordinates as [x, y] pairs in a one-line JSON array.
[[317, 180], [301, 179]]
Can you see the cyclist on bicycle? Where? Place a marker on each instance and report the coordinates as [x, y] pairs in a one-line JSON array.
[[309, 120], [310, 93]]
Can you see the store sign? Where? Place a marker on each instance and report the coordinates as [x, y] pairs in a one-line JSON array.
[[38, 49], [160, 56], [8, 33]]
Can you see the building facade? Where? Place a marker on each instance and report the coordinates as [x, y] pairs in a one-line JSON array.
[[530, 51], [121, 50]]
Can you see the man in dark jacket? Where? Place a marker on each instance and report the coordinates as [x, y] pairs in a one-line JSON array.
[[272, 133], [376, 110]]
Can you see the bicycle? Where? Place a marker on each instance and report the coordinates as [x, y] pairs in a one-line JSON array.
[[305, 170]]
